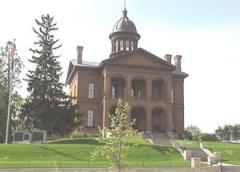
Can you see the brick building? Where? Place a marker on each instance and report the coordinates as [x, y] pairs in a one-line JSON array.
[[152, 86]]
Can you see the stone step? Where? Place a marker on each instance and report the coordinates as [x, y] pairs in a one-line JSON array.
[[197, 152]]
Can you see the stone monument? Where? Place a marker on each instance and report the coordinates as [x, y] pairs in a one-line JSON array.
[[29, 135]]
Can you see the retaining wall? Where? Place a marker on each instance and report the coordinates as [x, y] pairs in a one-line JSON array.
[[207, 169]]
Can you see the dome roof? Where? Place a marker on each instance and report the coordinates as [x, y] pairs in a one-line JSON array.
[[124, 24]]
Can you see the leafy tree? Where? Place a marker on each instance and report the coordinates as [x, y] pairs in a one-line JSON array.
[[121, 137], [236, 132], [192, 133], [228, 132], [7, 52], [47, 104], [219, 133]]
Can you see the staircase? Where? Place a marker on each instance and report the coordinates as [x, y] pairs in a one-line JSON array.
[[198, 152], [158, 138], [163, 140]]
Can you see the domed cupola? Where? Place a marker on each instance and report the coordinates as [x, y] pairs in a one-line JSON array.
[[124, 36]]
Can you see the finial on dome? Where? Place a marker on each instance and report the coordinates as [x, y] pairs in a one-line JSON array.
[[125, 10]]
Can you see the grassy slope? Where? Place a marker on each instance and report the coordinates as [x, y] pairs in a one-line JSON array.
[[190, 143], [77, 153], [230, 152]]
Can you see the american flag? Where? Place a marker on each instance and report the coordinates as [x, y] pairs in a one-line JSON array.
[[13, 52], [11, 56]]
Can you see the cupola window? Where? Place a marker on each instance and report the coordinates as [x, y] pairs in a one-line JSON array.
[[132, 45], [127, 46], [121, 45], [116, 46]]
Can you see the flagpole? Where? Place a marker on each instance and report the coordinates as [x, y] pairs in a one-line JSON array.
[[10, 77]]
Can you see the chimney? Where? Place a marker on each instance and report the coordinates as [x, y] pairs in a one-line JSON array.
[[79, 54], [177, 60], [168, 58]]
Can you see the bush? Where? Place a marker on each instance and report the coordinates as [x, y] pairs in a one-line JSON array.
[[78, 134], [192, 133], [208, 137]]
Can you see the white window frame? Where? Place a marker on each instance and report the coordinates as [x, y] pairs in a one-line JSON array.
[[91, 90], [90, 117]]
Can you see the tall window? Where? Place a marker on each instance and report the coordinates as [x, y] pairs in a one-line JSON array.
[[90, 118], [127, 46], [172, 96], [116, 46], [114, 91], [91, 90], [121, 45]]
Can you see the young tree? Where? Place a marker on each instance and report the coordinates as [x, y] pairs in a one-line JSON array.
[[9, 62], [47, 104], [192, 133], [121, 137]]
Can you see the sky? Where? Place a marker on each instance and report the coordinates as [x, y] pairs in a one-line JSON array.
[[205, 32]]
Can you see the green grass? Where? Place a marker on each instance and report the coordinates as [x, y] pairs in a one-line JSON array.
[[230, 152], [76, 153], [190, 143]]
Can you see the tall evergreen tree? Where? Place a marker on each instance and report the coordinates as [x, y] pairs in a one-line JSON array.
[[47, 103]]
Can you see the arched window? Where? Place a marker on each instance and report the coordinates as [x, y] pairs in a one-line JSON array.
[[132, 45], [90, 118], [121, 45], [127, 46], [91, 90], [116, 46]]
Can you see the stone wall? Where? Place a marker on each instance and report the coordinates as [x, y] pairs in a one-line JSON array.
[[207, 169], [230, 168]]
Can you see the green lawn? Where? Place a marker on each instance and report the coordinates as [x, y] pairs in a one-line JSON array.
[[190, 143], [76, 153], [230, 152]]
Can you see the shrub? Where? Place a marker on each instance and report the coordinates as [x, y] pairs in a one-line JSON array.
[[77, 133], [208, 137]]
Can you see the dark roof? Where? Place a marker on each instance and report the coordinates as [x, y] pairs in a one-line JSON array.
[[179, 73], [85, 63], [125, 24]]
